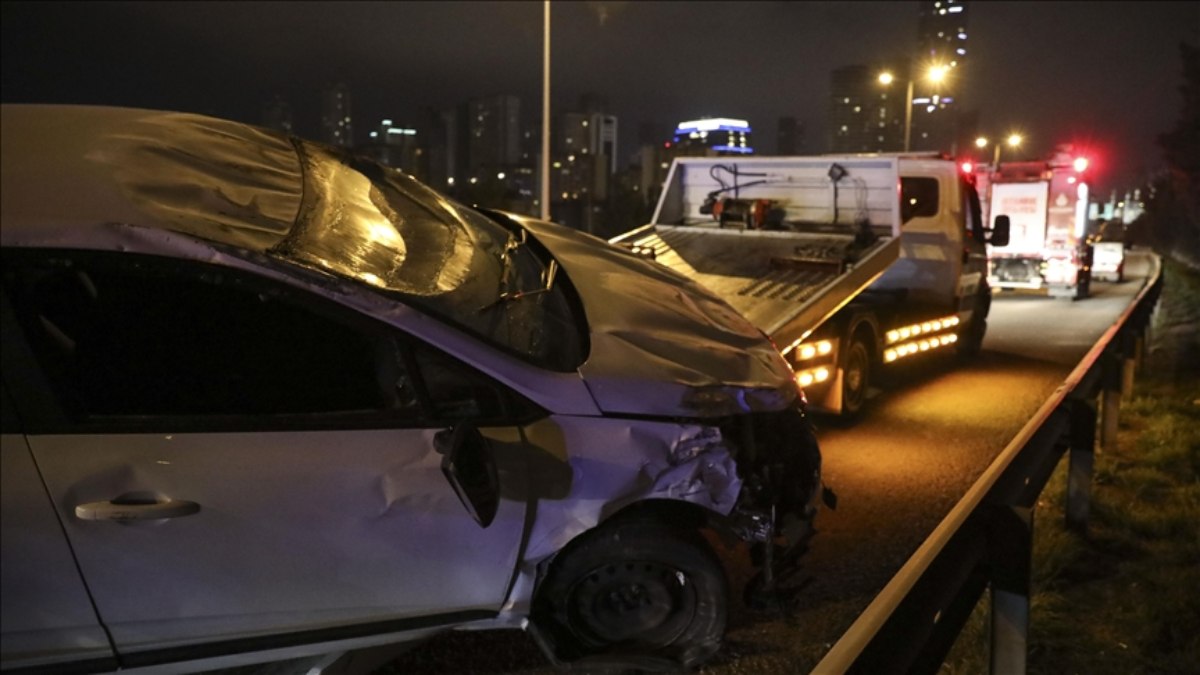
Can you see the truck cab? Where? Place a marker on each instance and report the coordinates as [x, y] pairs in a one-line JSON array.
[[935, 295]]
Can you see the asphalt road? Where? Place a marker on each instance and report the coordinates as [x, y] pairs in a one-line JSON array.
[[925, 438]]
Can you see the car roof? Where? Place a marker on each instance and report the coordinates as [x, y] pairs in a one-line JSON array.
[[71, 172]]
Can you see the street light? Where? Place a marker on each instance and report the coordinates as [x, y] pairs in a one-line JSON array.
[[1013, 141], [935, 74]]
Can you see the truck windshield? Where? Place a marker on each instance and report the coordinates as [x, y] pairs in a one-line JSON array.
[[383, 228]]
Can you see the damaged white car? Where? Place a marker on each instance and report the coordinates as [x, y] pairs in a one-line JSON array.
[[264, 400]]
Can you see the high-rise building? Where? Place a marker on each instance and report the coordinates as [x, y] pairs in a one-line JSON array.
[[603, 139], [865, 114], [654, 160], [494, 135], [586, 152], [584, 162], [790, 137], [445, 143], [942, 32], [336, 126], [869, 116], [397, 147], [941, 41]]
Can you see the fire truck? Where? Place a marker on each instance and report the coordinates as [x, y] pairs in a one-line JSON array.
[[1046, 203]]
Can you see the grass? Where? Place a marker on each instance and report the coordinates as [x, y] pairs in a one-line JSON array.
[[1125, 598]]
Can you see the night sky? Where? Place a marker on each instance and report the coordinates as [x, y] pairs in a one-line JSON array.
[[1099, 74]]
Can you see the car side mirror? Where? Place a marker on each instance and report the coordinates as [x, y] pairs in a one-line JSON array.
[[468, 465], [998, 235]]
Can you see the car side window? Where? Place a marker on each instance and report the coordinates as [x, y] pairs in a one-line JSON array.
[[138, 337], [133, 336], [918, 198], [458, 393]]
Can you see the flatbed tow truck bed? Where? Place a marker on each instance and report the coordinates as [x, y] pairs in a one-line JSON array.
[[786, 283], [830, 240]]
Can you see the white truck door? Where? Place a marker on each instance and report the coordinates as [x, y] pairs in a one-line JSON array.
[[931, 238]]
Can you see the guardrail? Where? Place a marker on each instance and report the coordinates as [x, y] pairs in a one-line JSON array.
[[986, 541]]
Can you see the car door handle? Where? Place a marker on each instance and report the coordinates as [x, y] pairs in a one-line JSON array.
[[136, 508]]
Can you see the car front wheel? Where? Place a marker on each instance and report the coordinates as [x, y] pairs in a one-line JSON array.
[[635, 589]]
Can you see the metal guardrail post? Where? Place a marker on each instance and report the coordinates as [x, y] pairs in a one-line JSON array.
[[1011, 551], [1129, 350], [1081, 457], [1116, 367]]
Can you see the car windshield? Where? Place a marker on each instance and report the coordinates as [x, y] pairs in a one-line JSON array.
[[383, 228]]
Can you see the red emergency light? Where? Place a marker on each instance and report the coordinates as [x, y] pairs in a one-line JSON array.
[[1080, 164], [967, 168]]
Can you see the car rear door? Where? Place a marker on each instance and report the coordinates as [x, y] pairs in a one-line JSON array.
[[240, 465]]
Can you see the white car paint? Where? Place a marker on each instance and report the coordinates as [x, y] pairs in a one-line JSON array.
[[303, 537]]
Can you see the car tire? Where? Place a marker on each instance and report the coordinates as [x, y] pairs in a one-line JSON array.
[[635, 589]]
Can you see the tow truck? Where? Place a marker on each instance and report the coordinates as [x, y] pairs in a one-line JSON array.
[[849, 263]]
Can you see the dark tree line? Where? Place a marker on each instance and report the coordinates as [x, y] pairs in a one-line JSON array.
[[1171, 222]]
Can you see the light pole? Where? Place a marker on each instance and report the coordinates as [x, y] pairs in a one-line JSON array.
[[545, 186], [935, 74]]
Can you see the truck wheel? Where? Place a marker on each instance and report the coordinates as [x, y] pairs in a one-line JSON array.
[[856, 377], [635, 588], [970, 341]]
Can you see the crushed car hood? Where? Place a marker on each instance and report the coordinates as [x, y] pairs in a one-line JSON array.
[[660, 343]]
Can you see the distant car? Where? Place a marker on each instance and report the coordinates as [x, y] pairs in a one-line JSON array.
[[263, 400], [1108, 260]]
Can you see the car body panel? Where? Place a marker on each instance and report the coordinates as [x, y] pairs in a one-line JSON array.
[[296, 530], [687, 462], [699, 344], [46, 613]]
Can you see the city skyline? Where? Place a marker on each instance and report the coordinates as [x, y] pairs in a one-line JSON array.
[[1103, 74]]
